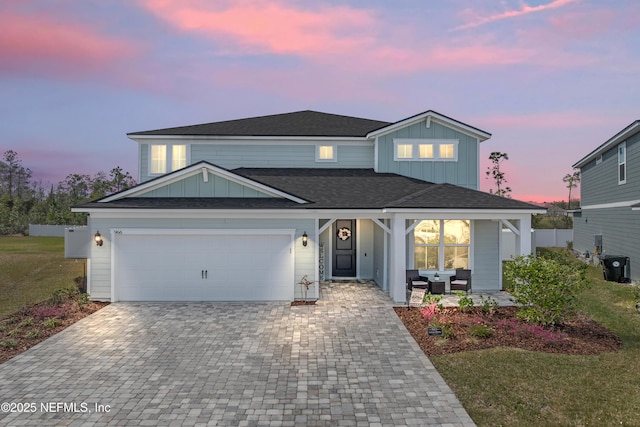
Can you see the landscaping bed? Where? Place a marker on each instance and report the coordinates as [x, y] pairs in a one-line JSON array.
[[475, 329], [26, 328]]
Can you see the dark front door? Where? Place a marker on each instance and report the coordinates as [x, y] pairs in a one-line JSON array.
[[344, 248]]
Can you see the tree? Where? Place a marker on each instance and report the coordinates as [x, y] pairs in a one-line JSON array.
[[572, 181], [497, 174], [14, 178]]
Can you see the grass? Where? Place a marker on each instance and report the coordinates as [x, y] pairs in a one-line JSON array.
[[511, 387], [31, 269]]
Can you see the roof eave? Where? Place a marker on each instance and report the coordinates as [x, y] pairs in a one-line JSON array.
[[614, 140]]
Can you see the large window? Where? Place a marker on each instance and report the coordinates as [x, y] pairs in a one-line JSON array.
[[409, 149], [622, 163], [161, 155], [442, 244]]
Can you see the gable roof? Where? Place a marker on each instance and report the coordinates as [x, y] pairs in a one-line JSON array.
[[299, 123], [194, 169], [429, 116], [625, 133], [310, 123]]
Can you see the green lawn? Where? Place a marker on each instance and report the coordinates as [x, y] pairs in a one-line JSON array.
[[510, 387], [31, 268]]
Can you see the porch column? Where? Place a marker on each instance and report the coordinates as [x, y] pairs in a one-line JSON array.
[[523, 240], [397, 260]]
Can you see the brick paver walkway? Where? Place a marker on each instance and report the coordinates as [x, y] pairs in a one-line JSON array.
[[347, 361]]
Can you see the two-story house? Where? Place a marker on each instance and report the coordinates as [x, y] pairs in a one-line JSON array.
[[243, 209], [608, 221]]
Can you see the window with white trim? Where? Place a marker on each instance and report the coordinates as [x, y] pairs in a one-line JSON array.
[[409, 149], [441, 245], [326, 153], [161, 155], [158, 159], [622, 163]]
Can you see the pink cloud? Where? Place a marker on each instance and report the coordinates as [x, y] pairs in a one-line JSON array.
[[339, 36], [36, 44], [525, 9], [270, 27]]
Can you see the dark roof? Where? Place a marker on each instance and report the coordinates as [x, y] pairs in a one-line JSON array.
[[366, 189], [194, 203], [333, 189], [300, 123]]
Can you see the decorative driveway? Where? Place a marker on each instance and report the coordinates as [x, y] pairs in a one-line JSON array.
[[346, 361]]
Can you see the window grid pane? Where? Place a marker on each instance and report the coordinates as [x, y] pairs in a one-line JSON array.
[[405, 151], [158, 159], [178, 157], [447, 151], [426, 151], [326, 152]]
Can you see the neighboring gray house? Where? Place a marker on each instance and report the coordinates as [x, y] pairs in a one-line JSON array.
[[608, 220], [243, 209]]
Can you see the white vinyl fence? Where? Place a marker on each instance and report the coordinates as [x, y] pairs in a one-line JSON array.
[[556, 238], [49, 230]]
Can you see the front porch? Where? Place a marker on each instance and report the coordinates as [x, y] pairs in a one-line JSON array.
[[386, 245]]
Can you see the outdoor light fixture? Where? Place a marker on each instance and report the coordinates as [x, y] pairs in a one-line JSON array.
[[305, 239], [98, 238]]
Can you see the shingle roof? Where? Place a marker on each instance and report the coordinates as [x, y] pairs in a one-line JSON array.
[[333, 189], [366, 189], [301, 123]]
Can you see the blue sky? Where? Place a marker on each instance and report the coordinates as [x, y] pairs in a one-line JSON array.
[[551, 80]]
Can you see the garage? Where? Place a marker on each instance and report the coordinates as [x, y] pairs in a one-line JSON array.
[[203, 265]]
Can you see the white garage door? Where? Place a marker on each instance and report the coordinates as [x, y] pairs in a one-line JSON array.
[[218, 266]]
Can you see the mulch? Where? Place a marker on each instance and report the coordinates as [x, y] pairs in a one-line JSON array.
[[579, 335], [13, 327]]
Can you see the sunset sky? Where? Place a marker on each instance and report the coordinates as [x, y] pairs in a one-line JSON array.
[[550, 79]]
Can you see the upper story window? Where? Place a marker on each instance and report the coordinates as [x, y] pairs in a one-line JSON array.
[[162, 155], [326, 153], [407, 149], [622, 163]]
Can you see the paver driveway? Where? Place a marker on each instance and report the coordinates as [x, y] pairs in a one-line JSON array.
[[347, 361]]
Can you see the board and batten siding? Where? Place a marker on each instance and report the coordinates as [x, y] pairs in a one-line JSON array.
[[195, 186], [100, 267], [619, 227], [486, 256], [299, 155], [599, 182], [463, 172]]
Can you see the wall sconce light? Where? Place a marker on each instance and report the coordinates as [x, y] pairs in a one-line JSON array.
[[305, 239], [98, 238]]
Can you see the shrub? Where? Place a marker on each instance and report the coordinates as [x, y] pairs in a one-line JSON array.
[[47, 311], [523, 330], [51, 322], [488, 305], [465, 300], [8, 343], [33, 334], [62, 295], [433, 299], [14, 332], [480, 331], [545, 288], [429, 312]]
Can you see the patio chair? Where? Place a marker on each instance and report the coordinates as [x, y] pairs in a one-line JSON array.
[[413, 276], [461, 281]]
